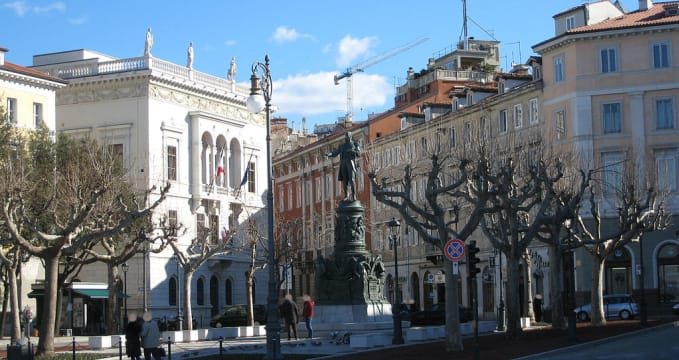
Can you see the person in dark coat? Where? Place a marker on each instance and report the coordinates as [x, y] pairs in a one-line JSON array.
[[133, 337], [289, 312]]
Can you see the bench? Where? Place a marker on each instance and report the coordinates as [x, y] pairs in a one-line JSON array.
[[104, 342]]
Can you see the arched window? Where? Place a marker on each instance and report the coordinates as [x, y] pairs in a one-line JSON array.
[[172, 291], [228, 292], [668, 273], [200, 292]]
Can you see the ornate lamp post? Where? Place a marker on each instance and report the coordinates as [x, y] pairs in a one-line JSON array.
[[125, 268], [260, 99], [501, 306], [571, 283], [394, 227], [179, 321]]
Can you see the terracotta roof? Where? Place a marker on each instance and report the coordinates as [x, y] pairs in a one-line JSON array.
[[640, 18], [8, 66]]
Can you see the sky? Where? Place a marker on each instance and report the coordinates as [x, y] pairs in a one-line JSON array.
[[308, 41]]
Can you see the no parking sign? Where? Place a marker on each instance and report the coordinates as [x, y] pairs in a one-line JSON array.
[[454, 249]]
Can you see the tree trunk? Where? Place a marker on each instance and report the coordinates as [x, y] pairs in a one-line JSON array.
[[188, 316], [14, 304], [513, 305], [598, 318], [453, 333], [556, 291], [46, 342], [249, 275], [528, 290], [5, 300]]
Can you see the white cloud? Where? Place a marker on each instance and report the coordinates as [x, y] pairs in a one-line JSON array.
[[55, 6], [19, 7], [78, 20], [286, 34], [317, 93], [22, 8], [350, 49], [230, 43]]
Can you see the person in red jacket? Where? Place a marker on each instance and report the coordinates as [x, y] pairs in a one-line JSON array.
[[308, 313]]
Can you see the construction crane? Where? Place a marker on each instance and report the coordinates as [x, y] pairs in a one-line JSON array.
[[360, 67]]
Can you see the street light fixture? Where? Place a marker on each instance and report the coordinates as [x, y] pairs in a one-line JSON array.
[[125, 268], [394, 227], [260, 99]]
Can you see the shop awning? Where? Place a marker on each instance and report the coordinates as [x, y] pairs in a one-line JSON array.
[[36, 293], [93, 293]]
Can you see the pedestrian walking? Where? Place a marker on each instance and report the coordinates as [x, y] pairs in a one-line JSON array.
[[308, 313], [133, 337], [150, 338], [289, 311]]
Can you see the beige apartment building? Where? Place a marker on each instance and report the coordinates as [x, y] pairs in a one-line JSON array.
[[611, 91]]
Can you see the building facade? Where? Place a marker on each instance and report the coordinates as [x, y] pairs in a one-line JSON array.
[[174, 124], [610, 91]]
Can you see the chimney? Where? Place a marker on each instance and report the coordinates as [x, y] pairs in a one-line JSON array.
[[645, 4], [2, 55]]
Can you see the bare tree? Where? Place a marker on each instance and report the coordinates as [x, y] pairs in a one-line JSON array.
[[630, 208], [455, 199], [526, 186], [208, 242], [67, 194]]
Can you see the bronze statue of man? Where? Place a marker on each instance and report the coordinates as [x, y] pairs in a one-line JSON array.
[[348, 152]]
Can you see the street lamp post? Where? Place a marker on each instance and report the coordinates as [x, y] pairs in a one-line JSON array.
[[394, 227], [501, 306], [571, 284], [125, 268], [643, 315], [260, 99], [179, 320]]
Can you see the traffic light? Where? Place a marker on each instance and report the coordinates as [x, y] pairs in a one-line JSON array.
[[472, 259]]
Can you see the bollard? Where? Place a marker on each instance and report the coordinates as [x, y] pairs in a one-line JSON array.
[[120, 348], [169, 348], [221, 348], [74, 348]]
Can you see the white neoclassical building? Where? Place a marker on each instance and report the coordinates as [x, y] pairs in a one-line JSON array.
[[172, 123]]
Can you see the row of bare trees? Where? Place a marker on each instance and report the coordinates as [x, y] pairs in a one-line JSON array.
[[66, 202], [516, 191]]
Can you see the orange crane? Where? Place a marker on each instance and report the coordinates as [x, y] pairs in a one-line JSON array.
[[360, 67]]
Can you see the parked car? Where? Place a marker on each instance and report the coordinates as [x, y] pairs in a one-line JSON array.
[[437, 315], [170, 324], [675, 309], [236, 315], [620, 306]]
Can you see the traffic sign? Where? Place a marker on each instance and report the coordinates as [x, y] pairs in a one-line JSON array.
[[454, 249]]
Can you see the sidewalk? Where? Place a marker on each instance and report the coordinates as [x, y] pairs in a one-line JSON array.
[[324, 345]]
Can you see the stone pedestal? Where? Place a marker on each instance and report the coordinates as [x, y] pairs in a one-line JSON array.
[[352, 276]]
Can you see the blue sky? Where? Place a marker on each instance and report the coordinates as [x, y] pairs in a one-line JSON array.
[[308, 41]]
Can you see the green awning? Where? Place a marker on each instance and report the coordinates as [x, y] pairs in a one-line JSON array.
[[93, 293]]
